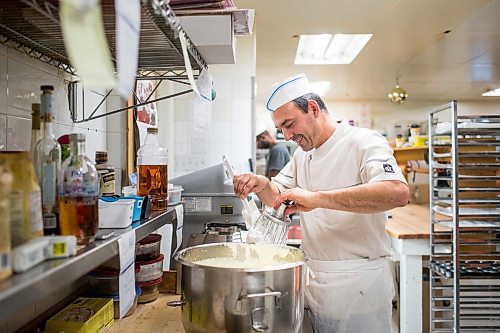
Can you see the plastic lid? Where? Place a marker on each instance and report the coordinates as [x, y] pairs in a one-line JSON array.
[[151, 238], [149, 283], [149, 262]]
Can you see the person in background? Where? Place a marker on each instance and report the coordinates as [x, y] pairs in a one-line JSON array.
[[278, 155], [342, 179]]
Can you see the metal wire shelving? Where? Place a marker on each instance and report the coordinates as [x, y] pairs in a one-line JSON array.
[[464, 197]]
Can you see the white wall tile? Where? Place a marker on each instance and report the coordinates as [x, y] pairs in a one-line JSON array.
[[221, 132], [17, 133], [182, 131], [221, 109], [23, 85], [3, 83], [241, 87], [242, 110], [183, 109], [3, 132], [223, 87]]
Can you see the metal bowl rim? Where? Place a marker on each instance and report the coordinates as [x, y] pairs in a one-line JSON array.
[[178, 258]]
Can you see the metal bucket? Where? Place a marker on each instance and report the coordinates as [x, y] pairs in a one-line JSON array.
[[251, 288]]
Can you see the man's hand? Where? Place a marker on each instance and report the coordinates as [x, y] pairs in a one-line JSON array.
[[248, 182], [304, 200], [260, 185]]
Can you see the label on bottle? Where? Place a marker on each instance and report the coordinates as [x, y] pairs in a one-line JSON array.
[[49, 221], [36, 212], [46, 103], [16, 217], [49, 184], [107, 184]]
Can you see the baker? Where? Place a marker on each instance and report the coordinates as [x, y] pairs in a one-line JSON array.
[[342, 179]]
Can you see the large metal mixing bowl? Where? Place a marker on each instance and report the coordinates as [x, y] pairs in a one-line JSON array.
[[250, 288]]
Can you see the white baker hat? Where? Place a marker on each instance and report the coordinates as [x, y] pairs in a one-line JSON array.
[[288, 90]]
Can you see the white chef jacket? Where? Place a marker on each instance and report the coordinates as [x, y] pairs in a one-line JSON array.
[[351, 156]]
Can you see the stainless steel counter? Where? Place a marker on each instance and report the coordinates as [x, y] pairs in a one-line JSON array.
[[42, 281]]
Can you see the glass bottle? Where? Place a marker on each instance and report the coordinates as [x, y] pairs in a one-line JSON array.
[[79, 193], [36, 132], [48, 164], [152, 165]]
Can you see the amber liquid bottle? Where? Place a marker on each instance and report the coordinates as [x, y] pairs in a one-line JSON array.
[[152, 172], [78, 202]]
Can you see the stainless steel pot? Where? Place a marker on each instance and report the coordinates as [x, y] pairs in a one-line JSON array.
[[235, 295]]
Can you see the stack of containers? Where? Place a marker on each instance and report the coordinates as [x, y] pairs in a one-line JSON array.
[[149, 267]]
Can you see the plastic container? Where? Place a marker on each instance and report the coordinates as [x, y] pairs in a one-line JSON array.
[[149, 291], [149, 270], [105, 282], [115, 213], [152, 171], [136, 216], [148, 248], [174, 194]]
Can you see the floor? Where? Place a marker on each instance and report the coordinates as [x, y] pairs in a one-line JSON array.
[[158, 317], [152, 317]]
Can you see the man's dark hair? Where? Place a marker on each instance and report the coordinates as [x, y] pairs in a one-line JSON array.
[[302, 102]]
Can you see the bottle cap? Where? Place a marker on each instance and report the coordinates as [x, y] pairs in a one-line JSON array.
[[77, 137], [47, 87], [101, 156]]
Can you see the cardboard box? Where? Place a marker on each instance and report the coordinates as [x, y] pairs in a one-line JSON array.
[[85, 315]]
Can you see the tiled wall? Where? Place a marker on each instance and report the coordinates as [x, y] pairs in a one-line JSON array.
[[231, 126], [20, 81]]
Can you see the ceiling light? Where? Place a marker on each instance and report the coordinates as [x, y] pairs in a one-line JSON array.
[[320, 87], [327, 49], [397, 95], [492, 93]]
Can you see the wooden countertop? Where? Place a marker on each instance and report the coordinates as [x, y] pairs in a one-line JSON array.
[[410, 222]]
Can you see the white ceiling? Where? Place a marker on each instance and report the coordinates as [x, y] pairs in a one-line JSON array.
[[408, 40]]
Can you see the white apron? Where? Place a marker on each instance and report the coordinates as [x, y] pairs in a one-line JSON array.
[[350, 296]]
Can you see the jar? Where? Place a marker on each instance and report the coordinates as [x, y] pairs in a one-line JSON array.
[[25, 204], [106, 174], [152, 165], [79, 207], [5, 244]]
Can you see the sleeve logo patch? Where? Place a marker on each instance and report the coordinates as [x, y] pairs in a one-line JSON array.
[[388, 168]]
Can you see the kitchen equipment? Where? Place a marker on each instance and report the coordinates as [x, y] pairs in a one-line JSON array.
[[250, 211], [238, 287], [271, 227], [219, 233], [207, 199]]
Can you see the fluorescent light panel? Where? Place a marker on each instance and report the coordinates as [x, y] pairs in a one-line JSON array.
[[492, 93], [327, 49], [320, 87]]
